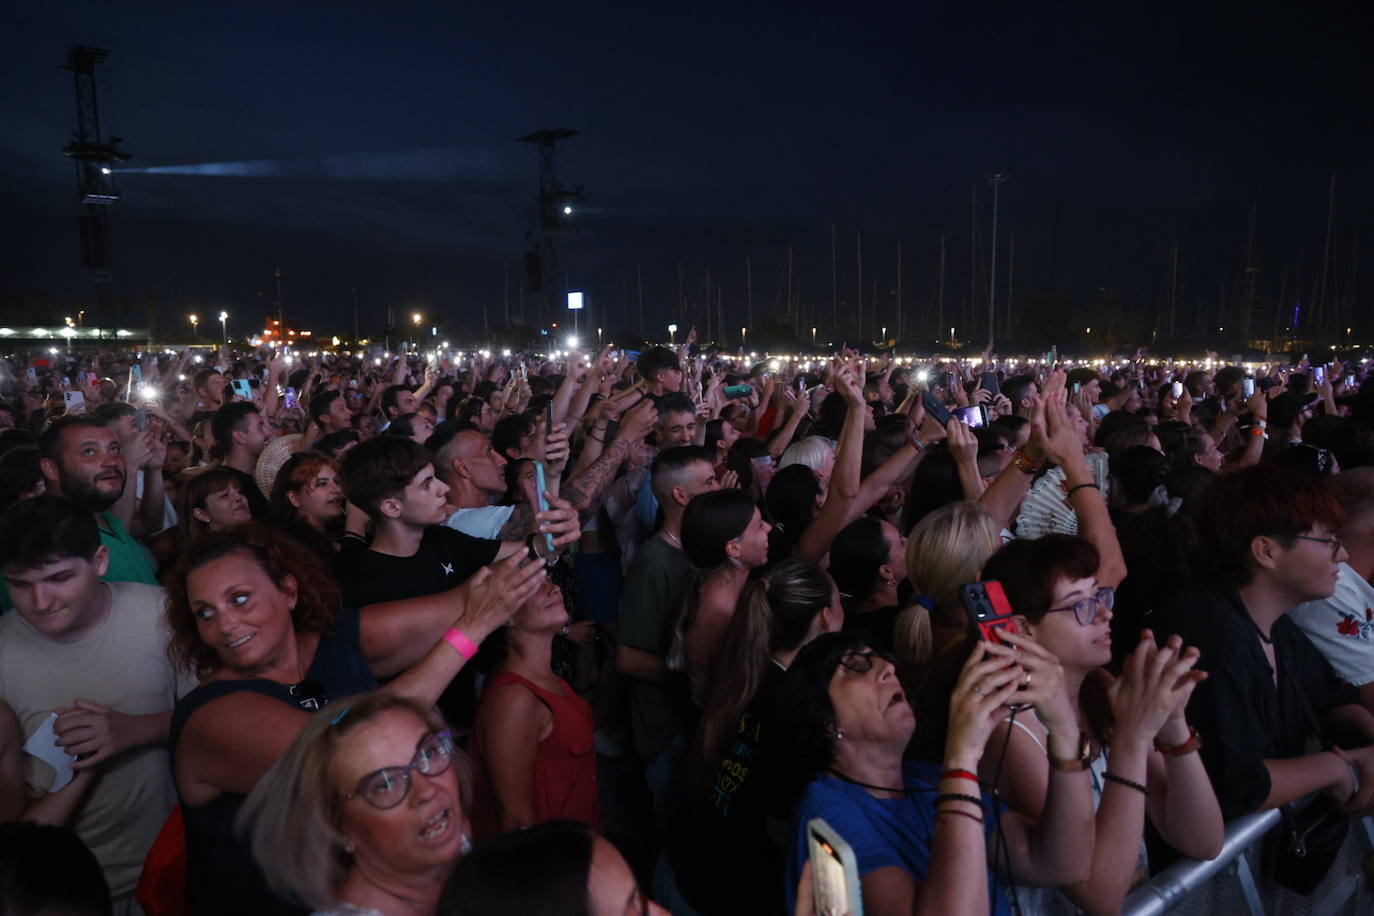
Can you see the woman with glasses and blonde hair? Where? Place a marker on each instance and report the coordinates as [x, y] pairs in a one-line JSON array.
[[1138, 747], [365, 812]]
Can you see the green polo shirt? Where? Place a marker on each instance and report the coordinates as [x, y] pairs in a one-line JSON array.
[[129, 560]]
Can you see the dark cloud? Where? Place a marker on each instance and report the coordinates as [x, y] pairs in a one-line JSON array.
[[374, 147]]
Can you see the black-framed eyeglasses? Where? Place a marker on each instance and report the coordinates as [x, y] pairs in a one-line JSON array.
[[861, 662], [389, 786], [1335, 543], [310, 694], [1085, 611]]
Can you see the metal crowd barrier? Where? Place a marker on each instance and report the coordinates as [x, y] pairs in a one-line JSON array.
[[1234, 882]]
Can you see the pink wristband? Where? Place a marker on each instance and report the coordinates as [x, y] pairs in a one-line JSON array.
[[461, 644]]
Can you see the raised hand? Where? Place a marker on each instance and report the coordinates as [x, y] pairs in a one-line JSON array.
[[559, 520], [1042, 678], [493, 594], [639, 421], [963, 445], [1153, 690], [986, 684]]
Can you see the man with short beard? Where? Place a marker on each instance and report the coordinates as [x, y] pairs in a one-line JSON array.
[[81, 460]]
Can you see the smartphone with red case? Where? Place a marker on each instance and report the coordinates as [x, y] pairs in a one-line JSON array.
[[988, 610]]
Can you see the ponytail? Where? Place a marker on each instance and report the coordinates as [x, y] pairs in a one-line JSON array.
[[912, 638], [738, 674]]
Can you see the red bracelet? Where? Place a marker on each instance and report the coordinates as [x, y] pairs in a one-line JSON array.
[[960, 774], [460, 642], [1193, 743]]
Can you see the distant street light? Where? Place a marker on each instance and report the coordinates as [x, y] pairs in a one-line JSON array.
[[224, 325], [672, 334], [195, 325]]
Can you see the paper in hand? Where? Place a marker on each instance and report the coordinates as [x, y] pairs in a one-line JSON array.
[[43, 745]]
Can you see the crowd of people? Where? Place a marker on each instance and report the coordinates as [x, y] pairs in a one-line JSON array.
[[432, 633]]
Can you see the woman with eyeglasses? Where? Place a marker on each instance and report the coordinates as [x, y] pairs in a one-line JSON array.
[[1137, 744], [920, 831], [256, 616], [365, 812]]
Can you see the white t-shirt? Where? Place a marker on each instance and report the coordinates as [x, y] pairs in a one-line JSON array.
[[482, 522], [123, 665], [1342, 626]]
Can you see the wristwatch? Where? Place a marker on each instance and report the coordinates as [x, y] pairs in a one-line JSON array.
[[1072, 765], [1025, 464]]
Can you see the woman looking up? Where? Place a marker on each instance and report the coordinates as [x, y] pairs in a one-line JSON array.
[[533, 737], [920, 831], [725, 537]]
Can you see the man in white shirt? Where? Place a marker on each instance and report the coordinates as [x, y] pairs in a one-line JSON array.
[[95, 654], [1342, 626]]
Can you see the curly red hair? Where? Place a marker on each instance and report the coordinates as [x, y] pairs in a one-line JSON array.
[[279, 556]]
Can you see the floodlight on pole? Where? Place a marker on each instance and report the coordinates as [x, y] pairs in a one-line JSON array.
[[224, 325], [195, 325], [672, 334]]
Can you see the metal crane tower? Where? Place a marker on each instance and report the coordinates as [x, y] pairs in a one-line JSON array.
[[94, 158], [542, 275]]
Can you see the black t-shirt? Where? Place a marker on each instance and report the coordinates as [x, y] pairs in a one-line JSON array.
[[257, 503], [446, 559], [719, 847], [1242, 717]]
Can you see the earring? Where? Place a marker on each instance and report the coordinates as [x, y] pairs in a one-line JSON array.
[[891, 583], [839, 734], [350, 848]]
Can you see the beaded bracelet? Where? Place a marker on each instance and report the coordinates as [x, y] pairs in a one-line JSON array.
[[1121, 780], [956, 796]]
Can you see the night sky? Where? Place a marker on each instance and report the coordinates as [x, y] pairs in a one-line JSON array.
[[375, 150]]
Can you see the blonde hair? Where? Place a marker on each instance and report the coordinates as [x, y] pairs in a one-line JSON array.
[[811, 451], [291, 817], [948, 548]]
